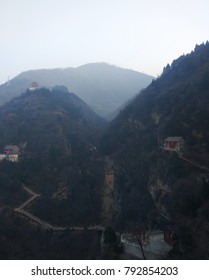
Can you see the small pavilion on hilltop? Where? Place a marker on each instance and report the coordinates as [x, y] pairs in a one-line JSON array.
[[33, 86]]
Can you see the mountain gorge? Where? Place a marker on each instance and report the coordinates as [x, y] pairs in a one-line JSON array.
[[90, 174], [103, 87]]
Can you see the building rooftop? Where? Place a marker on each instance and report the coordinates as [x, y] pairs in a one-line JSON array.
[[13, 148], [33, 86], [173, 138]]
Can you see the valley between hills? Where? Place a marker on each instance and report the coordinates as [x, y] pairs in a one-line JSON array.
[[74, 185]]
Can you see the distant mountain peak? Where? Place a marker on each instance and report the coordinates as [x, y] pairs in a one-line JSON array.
[[102, 86]]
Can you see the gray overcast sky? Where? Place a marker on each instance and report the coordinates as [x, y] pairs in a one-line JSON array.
[[143, 35]]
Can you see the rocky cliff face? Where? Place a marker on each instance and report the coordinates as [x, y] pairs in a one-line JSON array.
[[135, 180], [111, 202], [150, 179]]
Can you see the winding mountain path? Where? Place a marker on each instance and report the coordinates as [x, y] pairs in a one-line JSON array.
[[22, 212]]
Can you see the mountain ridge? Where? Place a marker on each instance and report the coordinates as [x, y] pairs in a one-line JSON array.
[[122, 175], [175, 104], [102, 86]]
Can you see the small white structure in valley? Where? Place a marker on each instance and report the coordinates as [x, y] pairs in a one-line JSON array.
[[2, 157]]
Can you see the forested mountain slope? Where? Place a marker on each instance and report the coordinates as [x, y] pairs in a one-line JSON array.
[[102, 86], [176, 104], [58, 136]]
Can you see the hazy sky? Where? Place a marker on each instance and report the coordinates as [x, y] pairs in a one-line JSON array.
[[143, 35]]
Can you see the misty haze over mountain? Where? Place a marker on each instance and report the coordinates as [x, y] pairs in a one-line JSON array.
[[73, 181], [102, 86]]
